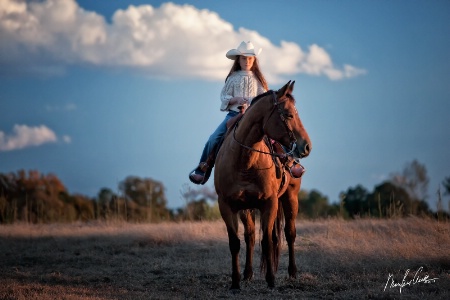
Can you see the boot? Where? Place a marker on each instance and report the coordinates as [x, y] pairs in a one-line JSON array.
[[197, 175], [197, 178]]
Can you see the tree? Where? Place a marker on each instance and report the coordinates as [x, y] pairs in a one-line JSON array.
[[446, 184], [104, 203], [35, 197], [205, 192], [84, 207], [148, 194], [313, 204], [413, 179], [390, 200], [201, 203], [355, 201]]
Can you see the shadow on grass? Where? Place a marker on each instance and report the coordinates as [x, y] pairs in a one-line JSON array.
[[140, 267]]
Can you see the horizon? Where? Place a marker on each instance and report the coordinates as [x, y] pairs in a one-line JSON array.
[[94, 92]]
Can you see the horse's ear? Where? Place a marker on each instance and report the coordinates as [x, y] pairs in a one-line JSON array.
[[284, 90], [291, 87]]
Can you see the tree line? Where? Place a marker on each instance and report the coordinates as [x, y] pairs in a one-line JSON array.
[[32, 197], [403, 194]]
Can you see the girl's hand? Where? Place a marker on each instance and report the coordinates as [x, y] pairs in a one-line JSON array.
[[243, 100]]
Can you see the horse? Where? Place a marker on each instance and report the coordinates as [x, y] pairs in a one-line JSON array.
[[246, 178]]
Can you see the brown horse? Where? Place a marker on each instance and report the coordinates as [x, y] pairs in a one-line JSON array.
[[246, 177]]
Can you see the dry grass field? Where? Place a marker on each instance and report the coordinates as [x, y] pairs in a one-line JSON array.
[[336, 260]]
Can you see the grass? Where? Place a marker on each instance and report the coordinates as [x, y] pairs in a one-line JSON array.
[[336, 260]]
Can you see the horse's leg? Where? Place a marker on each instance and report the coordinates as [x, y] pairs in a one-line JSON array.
[[248, 220], [231, 221], [268, 215], [289, 201]]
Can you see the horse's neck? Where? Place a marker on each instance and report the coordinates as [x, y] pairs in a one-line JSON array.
[[250, 133]]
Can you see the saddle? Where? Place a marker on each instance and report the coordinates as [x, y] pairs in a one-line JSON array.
[[281, 161]]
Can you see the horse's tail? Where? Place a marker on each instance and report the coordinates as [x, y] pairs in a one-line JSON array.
[[276, 239], [277, 235]]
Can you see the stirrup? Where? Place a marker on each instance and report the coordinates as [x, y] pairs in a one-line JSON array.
[[203, 167]]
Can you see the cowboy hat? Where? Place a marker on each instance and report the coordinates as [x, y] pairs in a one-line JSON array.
[[245, 49]]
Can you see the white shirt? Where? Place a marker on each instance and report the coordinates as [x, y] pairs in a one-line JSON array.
[[240, 84]]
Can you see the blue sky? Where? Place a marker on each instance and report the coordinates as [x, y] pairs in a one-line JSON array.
[[95, 91]]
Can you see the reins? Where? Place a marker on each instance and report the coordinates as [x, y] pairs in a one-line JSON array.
[[291, 134]]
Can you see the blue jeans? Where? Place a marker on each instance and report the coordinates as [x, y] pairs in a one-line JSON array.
[[217, 136]]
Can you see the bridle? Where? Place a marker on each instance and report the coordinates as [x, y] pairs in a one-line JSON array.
[[276, 106]]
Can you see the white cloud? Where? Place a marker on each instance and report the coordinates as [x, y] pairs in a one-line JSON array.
[[67, 139], [350, 71], [58, 108], [24, 136], [379, 177], [169, 41]]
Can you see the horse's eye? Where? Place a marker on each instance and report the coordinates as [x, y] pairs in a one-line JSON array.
[[289, 116]]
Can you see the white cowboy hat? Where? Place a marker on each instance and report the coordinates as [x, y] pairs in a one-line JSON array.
[[245, 49]]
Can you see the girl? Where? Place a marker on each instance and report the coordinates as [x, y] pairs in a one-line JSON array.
[[244, 82]]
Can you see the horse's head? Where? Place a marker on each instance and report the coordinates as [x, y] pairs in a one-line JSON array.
[[283, 124]]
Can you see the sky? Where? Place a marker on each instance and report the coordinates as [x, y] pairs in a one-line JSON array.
[[95, 91]]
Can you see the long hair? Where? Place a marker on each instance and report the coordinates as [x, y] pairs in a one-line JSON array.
[[255, 69]]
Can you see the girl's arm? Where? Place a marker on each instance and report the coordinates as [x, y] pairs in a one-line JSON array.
[[227, 95]]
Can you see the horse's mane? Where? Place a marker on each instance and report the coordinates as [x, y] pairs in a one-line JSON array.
[[289, 96], [260, 96]]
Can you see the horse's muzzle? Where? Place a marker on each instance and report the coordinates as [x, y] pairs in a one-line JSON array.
[[303, 151], [306, 150]]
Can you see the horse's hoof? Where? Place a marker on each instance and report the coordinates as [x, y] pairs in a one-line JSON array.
[[248, 275], [235, 288], [271, 283], [292, 272]]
